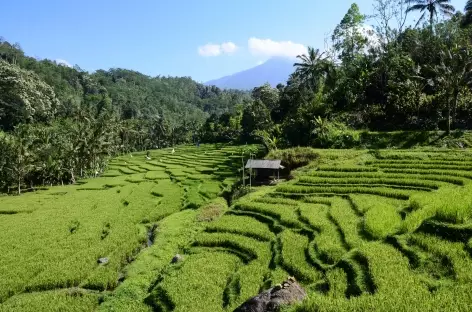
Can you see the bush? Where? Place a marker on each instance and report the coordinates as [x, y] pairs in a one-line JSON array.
[[240, 192], [334, 134], [293, 158]]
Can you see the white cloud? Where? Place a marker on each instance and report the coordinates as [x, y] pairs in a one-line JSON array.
[[228, 47], [260, 62], [63, 62], [268, 47], [211, 49]]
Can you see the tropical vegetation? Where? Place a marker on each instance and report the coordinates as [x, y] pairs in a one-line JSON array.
[[133, 188], [390, 77]]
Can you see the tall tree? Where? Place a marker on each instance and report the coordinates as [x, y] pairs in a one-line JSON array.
[[311, 67], [24, 97], [391, 17], [452, 74], [21, 160], [255, 116], [349, 36], [268, 95], [433, 7]]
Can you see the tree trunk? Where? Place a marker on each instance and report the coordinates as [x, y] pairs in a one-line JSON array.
[[19, 185], [244, 180], [448, 117], [431, 20], [454, 109]]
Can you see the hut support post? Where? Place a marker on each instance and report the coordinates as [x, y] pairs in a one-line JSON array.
[[244, 178], [250, 178]]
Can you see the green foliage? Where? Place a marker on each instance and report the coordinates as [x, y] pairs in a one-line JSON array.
[[347, 37], [25, 98], [332, 134], [355, 251], [448, 204], [389, 78], [294, 157], [267, 95], [256, 116], [312, 68]]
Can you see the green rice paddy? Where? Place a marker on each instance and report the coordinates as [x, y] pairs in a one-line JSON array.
[[386, 230]]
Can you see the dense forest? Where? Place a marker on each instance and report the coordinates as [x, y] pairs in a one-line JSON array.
[[60, 123]]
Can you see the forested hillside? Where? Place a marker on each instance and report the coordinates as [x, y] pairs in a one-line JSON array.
[[390, 77], [61, 122]]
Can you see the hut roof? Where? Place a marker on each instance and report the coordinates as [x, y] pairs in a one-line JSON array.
[[263, 164]]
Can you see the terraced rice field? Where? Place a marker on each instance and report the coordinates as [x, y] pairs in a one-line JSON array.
[[138, 216], [386, 230], [376, 231]]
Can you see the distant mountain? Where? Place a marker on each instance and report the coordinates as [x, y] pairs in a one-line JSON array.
[[274, 71]]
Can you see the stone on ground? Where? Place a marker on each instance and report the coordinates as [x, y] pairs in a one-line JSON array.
[[271, 300]]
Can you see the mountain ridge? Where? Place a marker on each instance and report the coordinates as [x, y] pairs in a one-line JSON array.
[[274, 71]]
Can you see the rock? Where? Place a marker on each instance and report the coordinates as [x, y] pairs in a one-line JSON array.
[[121, 277], [177, 258], [102, 260], [271, 300]]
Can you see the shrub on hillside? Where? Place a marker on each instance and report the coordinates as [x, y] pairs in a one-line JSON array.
[[293, 158], [239, 192], [334, 134]]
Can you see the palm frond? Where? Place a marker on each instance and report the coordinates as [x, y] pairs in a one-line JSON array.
[[447, 8], [421, 19], [417, 7]]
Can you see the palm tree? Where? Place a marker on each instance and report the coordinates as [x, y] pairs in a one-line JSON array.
[[311, 67], [452, 74], [433, 7]]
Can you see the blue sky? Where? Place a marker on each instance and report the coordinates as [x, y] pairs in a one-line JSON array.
[[204, 39]]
